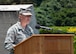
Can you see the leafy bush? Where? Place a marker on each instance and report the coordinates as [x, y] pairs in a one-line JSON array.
[[56, 12], [61, 30], [75, 44], [53, 31]]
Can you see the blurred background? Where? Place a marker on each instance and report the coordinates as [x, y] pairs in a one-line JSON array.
[[50, 12]]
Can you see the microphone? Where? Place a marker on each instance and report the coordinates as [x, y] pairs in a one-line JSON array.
[[43, 27]]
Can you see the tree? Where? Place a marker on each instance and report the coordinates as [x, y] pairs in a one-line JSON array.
[[57, 12]]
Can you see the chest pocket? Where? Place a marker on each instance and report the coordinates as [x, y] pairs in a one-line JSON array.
[[28, 32], [20, 36]]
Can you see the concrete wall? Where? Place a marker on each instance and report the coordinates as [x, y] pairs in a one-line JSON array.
[[6, 20]]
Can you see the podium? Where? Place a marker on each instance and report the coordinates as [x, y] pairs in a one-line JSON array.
[[46, 44]]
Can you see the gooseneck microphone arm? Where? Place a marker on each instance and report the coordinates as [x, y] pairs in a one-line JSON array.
[[43, 27]]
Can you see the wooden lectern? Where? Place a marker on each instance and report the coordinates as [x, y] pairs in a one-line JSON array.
[[46, 44]]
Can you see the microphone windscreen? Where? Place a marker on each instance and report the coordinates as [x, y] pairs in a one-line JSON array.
[[37, 26]]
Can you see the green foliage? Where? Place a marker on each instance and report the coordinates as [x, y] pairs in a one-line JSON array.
[[55, 30], [44, 31], [59, 29], [35, 2], [56, 12], [6, 2], [75, 44]]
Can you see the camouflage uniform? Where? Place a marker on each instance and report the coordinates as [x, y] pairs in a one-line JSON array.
[[15, 35]]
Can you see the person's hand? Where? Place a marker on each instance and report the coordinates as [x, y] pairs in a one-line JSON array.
[[13, 47]]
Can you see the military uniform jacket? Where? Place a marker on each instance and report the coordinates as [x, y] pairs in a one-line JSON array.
[[15, 35]]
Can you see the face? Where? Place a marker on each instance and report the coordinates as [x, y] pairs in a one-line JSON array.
[[26, 19]]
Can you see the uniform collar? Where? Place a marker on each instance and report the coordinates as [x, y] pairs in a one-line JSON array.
[[20, 27]]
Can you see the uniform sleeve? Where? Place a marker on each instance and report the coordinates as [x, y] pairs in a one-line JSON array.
[[32, 31], [9, 40]]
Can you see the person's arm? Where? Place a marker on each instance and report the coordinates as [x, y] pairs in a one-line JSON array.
[[32, 31], [9, 40]]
